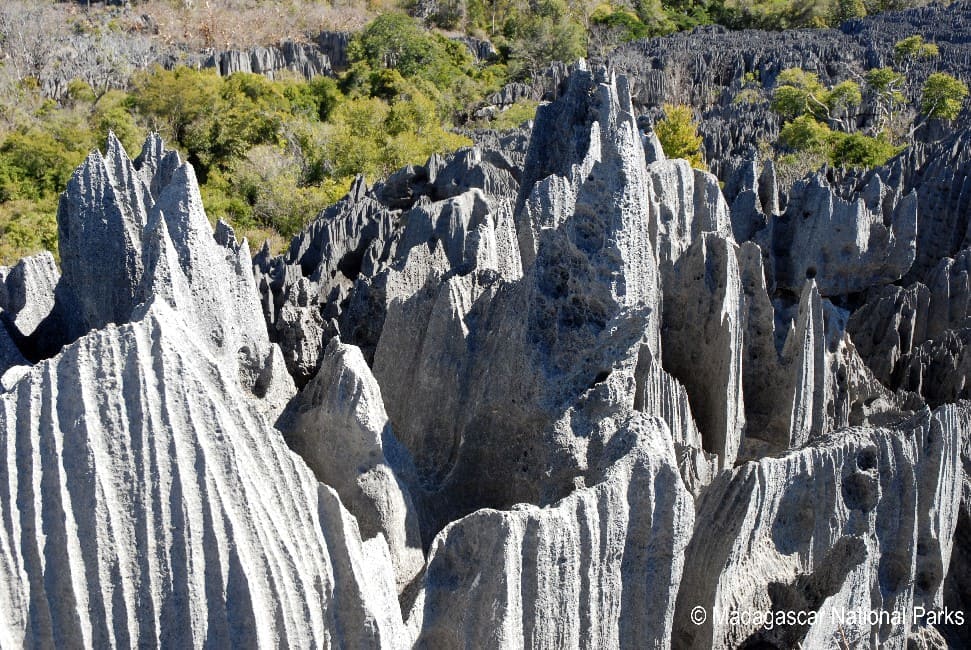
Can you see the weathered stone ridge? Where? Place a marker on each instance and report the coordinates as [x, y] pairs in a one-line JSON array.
[[552, 390]]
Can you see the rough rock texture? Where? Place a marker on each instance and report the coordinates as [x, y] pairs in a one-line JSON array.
[[915, 338], [338, 425], [599, 568], [306, 59], [27, 292], [555, 390], [707, 67], [130, 231], [843, 245], [957, 583], [703, 341], [147, 499], [863, 519], [10, 355]]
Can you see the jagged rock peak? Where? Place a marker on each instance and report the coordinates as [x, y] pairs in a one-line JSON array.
[[339, 426], [846, 246], [133, 235], [586, 172]]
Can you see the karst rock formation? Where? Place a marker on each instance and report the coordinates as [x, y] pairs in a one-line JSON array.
[[549, 391]]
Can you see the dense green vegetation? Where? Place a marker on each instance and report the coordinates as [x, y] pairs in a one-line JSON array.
[[820, 122], [268, 154]]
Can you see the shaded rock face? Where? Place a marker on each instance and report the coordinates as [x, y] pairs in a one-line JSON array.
[[843, 245], [552, 390], [542, 590], [338, 425], [568, 370], [306, 59]]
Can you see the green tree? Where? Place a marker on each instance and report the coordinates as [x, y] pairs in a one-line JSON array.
[[398, 42], [798, 92], [858, 150], [678, 135], [174, 100], [841, 99], [942, 96], [914, 47], [886, 84], [806, 134], [544, 35], [625, 21], [847, 9]]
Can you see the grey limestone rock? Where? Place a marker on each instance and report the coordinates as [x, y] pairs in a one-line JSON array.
[[846, 246], [812, 515], [914, 338], [159, 507], [131, 236], [598, 568], [703, 341], [27, 294], [10, 355], [554, 393], [456, 343], [688, 203], [338, 425]]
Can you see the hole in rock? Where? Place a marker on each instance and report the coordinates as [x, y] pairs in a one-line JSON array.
[[600, 378], [866, 459], [811, 273], [861, 492], [894, 572]]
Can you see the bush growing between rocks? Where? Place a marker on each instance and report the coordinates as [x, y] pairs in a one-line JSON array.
[[679, 137], [943, 96]]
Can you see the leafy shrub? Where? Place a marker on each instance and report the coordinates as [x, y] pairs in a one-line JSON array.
[[748, 96], [798, 92], [914, 47], [943, 96], [514, 116], [858, 150], [629, 27], [27, 227], [396, 41], [678, 134], [806, 134]]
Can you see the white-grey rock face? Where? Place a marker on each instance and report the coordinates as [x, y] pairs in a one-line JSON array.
[[914, 338], [132, 235], [27, 292], [147, 501], [864, 519], [703, 341], [10, 354], [847, 246], [688, 203], [555, 394], [597, 569], [338, 425]]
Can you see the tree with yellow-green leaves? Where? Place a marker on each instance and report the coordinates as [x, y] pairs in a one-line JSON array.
[[914, 47], [943, 96], [678, 134]]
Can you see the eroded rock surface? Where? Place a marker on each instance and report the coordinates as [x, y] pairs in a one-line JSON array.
[[554, 390]]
